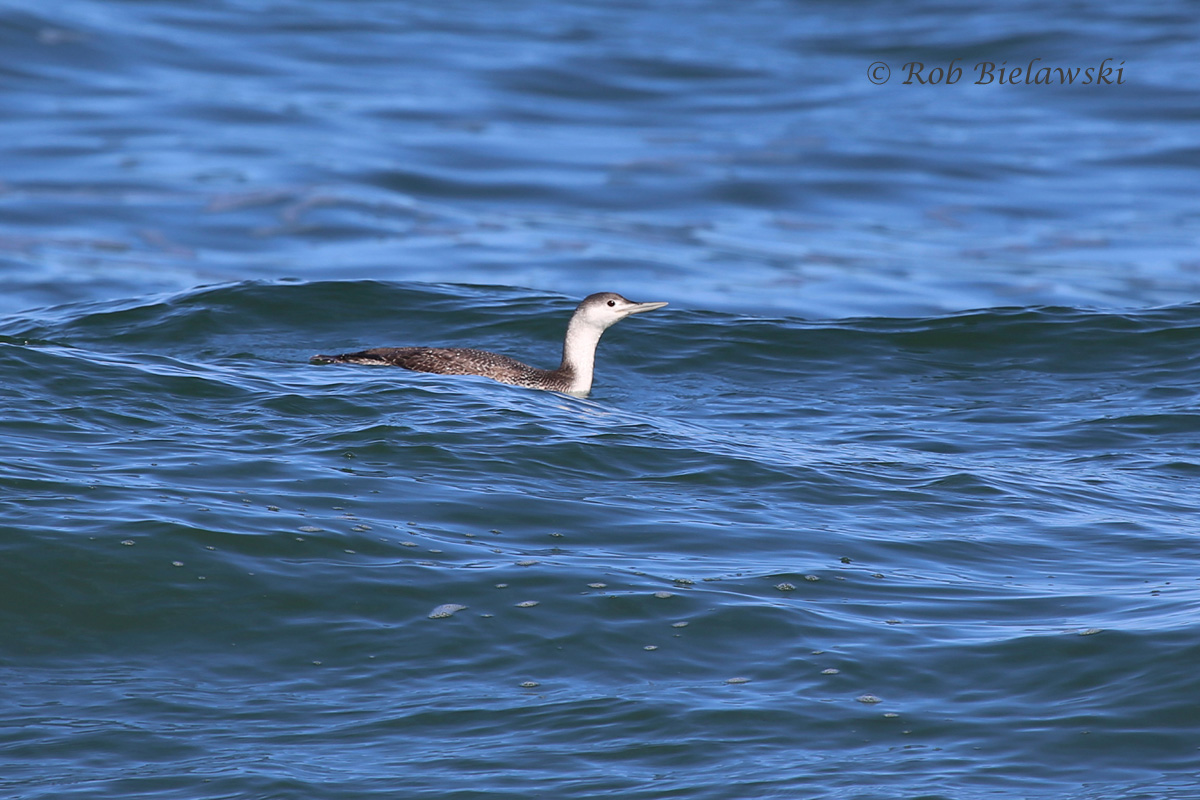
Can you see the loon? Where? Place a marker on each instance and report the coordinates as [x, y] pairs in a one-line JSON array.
[[592, 317]]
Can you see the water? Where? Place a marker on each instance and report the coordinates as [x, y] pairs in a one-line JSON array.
[[896, 499]]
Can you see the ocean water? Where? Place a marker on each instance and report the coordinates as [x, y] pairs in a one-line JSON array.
[[898, 498]]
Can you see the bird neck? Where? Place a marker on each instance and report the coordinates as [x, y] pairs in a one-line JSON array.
[[579, 355]]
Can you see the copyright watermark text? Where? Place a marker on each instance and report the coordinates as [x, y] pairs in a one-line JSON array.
[[1033, 73]]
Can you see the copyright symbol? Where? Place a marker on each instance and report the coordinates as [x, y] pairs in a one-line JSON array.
[[879, 73]]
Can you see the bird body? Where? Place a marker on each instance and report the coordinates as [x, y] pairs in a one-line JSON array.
[[574, 375]]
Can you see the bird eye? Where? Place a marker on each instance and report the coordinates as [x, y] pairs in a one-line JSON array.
[[612, 303]]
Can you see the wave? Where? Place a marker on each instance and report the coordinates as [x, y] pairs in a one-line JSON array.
[[241, 317]]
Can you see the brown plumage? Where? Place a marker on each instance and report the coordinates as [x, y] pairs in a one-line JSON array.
[[456, 361]]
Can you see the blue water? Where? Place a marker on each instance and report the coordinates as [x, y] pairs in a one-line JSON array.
[[896, 499]]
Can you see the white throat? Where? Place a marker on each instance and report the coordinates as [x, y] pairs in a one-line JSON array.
[[579, 354]]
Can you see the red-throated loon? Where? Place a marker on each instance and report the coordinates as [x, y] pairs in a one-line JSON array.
[[592, 317]]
